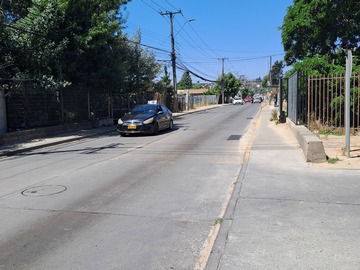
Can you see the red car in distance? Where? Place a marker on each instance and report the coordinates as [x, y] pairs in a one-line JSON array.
[[248, 99]]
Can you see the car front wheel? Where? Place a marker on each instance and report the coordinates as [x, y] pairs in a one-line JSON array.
[[171, 125], [156, 129]]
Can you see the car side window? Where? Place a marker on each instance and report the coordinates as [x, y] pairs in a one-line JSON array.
[[163, 109]]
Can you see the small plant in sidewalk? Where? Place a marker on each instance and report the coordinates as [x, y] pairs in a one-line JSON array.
[[332, 160], [218, 221], [274, 115], [335, 132]]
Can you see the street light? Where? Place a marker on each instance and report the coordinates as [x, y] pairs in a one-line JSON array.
[[173, 56], [188, 21]]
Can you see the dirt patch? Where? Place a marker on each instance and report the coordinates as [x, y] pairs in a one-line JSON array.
[[334, 147], [335, 150]]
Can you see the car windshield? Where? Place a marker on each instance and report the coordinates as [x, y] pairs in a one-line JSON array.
[[144, 109]]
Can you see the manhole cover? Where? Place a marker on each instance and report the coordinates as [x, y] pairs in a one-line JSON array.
[[43, 190], [234, 138]]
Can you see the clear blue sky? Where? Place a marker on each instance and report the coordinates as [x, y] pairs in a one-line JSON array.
[[244, 32]]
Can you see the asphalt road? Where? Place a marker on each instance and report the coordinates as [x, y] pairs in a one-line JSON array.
[[134, 202]]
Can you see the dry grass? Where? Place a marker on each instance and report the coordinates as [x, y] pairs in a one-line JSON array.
[[274, 115]]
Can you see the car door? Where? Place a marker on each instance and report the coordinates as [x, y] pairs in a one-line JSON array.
[[161, 117], [168, 116]]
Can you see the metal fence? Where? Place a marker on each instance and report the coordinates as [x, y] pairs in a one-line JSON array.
[[30, 106], [192, 101], [318, 102], [326, 102], [297, 98], [204, 100]]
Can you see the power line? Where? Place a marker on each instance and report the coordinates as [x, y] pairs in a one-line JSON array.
[[149, 6], [198, 48], [170, 4], [190, 41], [192, 67], [148, 46], [202, 39], [196, 75], [158, 5]]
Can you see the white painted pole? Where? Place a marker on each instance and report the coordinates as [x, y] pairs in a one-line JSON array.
[[347, 102]]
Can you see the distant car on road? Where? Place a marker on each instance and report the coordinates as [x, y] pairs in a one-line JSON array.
[[238, 100], [248, 99], [146, 119], [256, 100]]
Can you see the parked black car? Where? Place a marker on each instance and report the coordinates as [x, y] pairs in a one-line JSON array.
[[146, 119]]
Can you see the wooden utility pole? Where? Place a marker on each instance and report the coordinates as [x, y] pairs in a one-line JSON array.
[[173, 56], [270, 79], [222, 79]]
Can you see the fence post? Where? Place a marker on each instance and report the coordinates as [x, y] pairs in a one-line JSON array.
[[347, 101], [282, 118]]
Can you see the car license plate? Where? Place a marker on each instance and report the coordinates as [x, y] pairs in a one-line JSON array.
[[132, 127]]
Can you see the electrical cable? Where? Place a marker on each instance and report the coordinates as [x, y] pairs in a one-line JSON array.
[[144, 45], [182, 66], [196, 75], [193, 68]]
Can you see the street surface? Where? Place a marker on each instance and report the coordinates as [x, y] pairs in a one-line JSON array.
[[134, 202]]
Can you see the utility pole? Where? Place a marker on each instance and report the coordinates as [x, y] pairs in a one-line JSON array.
[[270, 80], [173, 56], [222, 79]]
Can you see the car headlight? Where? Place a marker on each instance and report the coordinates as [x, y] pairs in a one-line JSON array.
[[149, 121], [120, 122]]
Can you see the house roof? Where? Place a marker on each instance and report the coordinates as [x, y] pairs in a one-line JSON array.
[[192, 91]]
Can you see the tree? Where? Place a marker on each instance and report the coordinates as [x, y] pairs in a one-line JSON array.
[[322, 65], [29, 52], [185, 82], [276, 72], [231, 85], [55, 43], [96, 48], [319, 28], [165, 89], [50, 44], [141, 69], [197, 85], [264, 82]]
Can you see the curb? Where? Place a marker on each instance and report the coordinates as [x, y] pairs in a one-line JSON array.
[[311, 145], [47, 144]]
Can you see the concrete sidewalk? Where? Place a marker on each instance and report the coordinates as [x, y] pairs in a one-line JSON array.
[[284, 214]]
